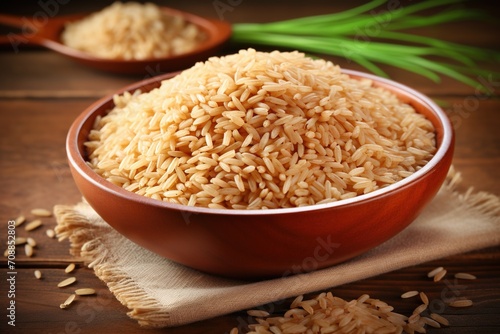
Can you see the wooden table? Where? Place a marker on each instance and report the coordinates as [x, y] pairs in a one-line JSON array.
[[41, 94]]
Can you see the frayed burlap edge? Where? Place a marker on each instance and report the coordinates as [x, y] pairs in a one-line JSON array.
[[86, 243]]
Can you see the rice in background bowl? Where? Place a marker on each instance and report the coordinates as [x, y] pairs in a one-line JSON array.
[[132, 31], [258, 130]]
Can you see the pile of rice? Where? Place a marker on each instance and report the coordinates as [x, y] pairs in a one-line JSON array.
[[132, 31], [327, 313], [258, 130]]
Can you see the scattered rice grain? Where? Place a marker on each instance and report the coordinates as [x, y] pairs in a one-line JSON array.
[[28, 250], [439, 318], [39, 212], [409, 294], [439, 276], [421, 308], [431, 322], [31, 241], [20, 220], [433, 272], [257, 313], [50, 233], [33, 225], [85, 292], [68, 301], [424, 298], [460, 303], [38, 274], [465, 276], [69, 268], [415, 317], [20, 241], [66, 282]]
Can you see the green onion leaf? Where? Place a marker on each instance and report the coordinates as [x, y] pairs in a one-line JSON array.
[[367, 36]]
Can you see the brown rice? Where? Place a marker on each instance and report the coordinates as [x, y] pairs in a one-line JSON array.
[[460, 303], [258, 130], [132, 31], [434, 272], [465, 276], [440, 319], [327, 313], [409, 294]]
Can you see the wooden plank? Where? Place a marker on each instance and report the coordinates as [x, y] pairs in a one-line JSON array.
[[38, 303], [42, 92], [83, 82], [24, 78], [34, 158], [33, 154], [37, 306], [38, 300], [80, 82], [477, 153]]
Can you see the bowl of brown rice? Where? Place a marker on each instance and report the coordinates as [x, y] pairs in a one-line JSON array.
[[261, 164], [136, 38]]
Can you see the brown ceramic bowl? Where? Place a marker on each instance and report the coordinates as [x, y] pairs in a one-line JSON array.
[[252, 244]]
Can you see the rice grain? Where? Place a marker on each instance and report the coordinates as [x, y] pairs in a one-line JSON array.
[[50, 233], [269, 134], [66, 282], [68, 301], [33, 225], [28, 250], [431, 322], [409, 294], [439, 318], [20, 241], [424, 298], [433, 272], [465, 276], [39, 212], [421, 308], [258, 313], [69, 268], [439, 276], [20, 220], [460, 303], [31, 241], [38, 274], [85, 292]]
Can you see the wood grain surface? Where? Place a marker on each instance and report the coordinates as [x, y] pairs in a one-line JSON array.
[[41, 93]]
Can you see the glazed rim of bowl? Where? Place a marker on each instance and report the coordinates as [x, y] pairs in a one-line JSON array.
[[75, 150]]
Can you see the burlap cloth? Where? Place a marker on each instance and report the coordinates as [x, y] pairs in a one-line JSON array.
[[161, 293]]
